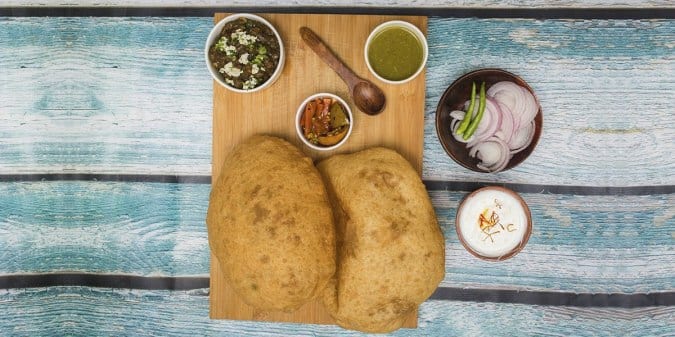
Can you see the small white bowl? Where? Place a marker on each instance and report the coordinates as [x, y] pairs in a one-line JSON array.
[[301, 110], [212, 39], [412, 29], [509, 210]]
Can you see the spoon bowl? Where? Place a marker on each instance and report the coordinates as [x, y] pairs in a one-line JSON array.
[[368, 98]]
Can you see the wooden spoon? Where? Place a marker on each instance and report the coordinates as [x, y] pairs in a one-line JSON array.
[[367, 96]]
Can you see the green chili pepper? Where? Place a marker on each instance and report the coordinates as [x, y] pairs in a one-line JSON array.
[[481, 109], [467, 117]]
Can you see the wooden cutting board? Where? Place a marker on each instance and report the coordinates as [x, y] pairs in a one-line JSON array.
[[272, 111]]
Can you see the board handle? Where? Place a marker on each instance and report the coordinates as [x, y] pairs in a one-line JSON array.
[[328, 56]]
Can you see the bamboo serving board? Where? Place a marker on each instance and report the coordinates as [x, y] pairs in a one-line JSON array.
[[272, 111]]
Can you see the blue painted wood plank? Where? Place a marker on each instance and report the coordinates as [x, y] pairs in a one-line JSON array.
[[132, 95], [607, 91], [578, 243], [104, 95], [138, 228], [369, 3], [590, 243], [76, 311]]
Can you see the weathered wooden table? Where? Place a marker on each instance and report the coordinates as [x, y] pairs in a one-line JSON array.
[[105, 157]]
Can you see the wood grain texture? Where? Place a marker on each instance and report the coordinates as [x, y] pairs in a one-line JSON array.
[[237, 116], [81, 311], [594, 80], [369, 3], [132, 95], [399, 126], [590, 243], [578, 243], [145, 229], [115, 95]]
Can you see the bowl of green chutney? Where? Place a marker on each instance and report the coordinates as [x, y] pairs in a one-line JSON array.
[[396, 52]]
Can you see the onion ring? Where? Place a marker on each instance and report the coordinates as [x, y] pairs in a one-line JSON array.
[[493, 154], [490, 123], [522, 138]]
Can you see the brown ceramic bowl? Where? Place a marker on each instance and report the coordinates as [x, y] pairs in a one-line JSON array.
[[453, 99], [527, 230]]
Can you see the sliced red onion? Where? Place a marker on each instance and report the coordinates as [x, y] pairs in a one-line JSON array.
[[531, 107], [479, 134], [489, 153], [508, 125], [522, 138], [457, 114], [519, 100], [508, 93], [475, 108], [454, 125], [499, 134], [489, 124], [493, 154], [472, 151]]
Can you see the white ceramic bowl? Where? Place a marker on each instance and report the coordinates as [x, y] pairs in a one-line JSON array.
[[412, 29], [212, 39], [301, 110]]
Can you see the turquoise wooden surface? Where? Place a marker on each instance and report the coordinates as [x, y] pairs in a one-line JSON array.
[[369, 3], [606, 88], [154, 229], [607, 91], [103, 312], [132, 96], [147, 229], [141, 83]]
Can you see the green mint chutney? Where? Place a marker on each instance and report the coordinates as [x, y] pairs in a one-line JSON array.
[[395, 53]]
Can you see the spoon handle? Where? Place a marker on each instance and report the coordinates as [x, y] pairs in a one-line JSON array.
[[320, 48]]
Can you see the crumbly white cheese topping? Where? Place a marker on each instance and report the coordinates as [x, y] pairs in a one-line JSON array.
[[250, 83], [243, 38], [243, 59], [224, 47], [230, 70]]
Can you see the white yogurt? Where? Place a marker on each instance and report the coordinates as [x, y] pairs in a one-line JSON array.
[[492, 222]]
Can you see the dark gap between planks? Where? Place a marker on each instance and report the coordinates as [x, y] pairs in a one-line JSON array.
[[546, 298], [431, 185], [506, 13]]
